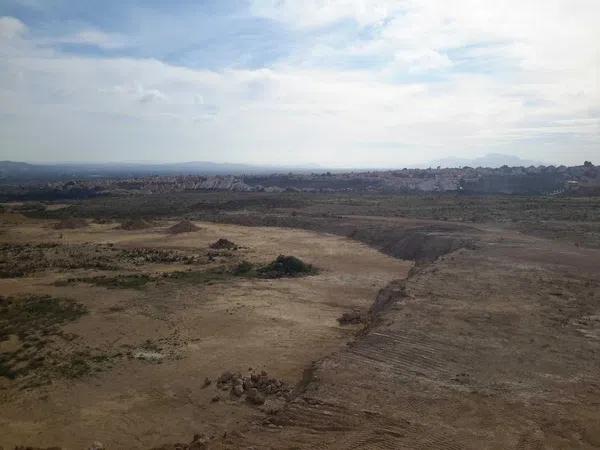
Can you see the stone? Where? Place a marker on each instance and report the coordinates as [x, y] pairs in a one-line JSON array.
[[238, 390], [255, 397]]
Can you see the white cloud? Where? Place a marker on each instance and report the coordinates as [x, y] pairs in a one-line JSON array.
[[314, 13], [421, 60], [11, 27], [137, 92], [107, 41], [151, 95], [517, 77]]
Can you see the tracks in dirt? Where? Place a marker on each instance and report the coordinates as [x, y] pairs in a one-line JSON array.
[[436, 371]]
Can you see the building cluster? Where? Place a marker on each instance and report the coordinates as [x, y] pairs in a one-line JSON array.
[[537, 179]]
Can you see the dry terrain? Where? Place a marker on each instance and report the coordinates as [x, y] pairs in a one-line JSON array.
[[490, 340], [133, 366]]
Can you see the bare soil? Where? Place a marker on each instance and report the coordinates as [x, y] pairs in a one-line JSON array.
[[494, 347], [491, 340], [149, 340]]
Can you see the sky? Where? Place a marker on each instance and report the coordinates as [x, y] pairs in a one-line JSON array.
[[339, 83]]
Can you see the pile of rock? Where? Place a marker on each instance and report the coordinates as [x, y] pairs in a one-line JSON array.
[[352, 318], [255, 387]]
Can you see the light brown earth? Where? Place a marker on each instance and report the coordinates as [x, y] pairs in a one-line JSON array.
[[495, 347], [196, 331]]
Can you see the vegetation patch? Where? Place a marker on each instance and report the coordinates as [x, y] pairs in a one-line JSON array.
[[135, 281], [244, 268], [19, 260], [140, 256], [199, 277], [31, 315], [34, 320], [286, 266]]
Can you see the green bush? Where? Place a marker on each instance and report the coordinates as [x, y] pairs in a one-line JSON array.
[[286, 266]]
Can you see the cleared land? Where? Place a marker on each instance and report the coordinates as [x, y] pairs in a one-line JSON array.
[[157, 314], [490, 341]]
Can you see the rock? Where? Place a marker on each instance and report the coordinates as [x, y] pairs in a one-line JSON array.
[[215, 399], [97, 446], [207, 382], [354, 317], [225, 377], [238, 390], [200, 442], [255, 397]]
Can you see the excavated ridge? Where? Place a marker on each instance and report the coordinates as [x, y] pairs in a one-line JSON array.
[[494, 346]]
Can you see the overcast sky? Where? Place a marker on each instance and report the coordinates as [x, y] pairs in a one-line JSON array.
[[337, 83]]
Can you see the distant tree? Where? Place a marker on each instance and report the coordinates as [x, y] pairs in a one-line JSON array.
[[588, 164]]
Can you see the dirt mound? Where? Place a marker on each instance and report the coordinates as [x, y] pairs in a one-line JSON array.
[[71, 224], [185, 226], [223, 244], [135, 224], [287, 266]]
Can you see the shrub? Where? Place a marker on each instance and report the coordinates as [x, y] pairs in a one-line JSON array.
[[286, 266]]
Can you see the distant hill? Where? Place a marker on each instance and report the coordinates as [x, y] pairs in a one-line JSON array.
[[492, 160], [20, 171]]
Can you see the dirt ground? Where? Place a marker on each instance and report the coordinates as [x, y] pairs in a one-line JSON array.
[[493, 347], [182, 333], [491, 340]]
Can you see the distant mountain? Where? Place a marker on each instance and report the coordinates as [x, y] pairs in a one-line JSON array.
[[492, 160], [19, 171]]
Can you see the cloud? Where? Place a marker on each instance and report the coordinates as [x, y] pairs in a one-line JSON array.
[[106, 41], [151, 95], [315, 13], [11, 27], [421, 60], [433, 78]]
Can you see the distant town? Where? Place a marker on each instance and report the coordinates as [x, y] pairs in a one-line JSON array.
[[533, 180]]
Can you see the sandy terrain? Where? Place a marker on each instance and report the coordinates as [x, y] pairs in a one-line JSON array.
[[491, 341], [493, 347], [196, 330]]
